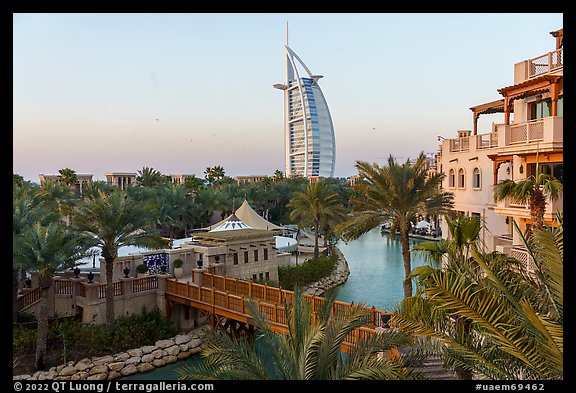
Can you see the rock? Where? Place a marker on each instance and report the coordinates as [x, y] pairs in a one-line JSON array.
[[129, 370], [70, 363], [68, 370], [103, 360], [63, 377], [84, 364], [98, 377], [183, 347], [144, 367], [134, 360], [182, 339], [114, 374], [99, 369], [58, 368], [33, 378], [79, 376], [164, 343], [116, 366], [184, 355], [194, 351], [52, 369], [194, 343], [147, 358], [170, 359], [120, 357], [42, 376], [159, 353], [50, 374], [21, 377], [135, 352], [173, 350], [148, 349], [158, 363]]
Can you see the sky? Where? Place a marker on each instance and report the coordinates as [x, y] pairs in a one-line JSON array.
[[116, 92]]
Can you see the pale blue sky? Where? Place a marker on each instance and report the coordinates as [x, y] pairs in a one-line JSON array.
[[88, 88]]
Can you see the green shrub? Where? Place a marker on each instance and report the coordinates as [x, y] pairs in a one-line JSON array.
[[83, 340], [142, 268], [306, 273], [178, 263]]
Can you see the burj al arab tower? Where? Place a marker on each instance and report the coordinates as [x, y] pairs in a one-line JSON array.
[[308, 129]]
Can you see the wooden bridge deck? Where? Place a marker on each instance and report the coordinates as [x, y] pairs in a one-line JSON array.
[[227, 297]]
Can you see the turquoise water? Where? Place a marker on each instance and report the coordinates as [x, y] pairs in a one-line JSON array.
[[376, 270], [376, 276]]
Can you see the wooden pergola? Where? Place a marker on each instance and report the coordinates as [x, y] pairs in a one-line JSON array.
[[532, 87], [484, 109]]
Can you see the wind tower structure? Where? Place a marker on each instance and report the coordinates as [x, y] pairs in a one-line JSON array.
[[310, 146]]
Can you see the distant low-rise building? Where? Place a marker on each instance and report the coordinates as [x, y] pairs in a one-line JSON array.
[[121, 179], [82, 180]]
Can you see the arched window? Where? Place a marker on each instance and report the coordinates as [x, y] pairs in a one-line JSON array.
[[451, 182], [461, 178], [476, 178]]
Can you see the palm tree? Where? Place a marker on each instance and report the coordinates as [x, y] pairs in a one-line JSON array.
[[515, 315], [396, 193], [311, 206], [311, 350], [149, 177], [173, 205], [456, 254], [532, 191], [48, 249], [193, 183], [26, 212], [57, 197], [113, 220], [214, 174], [68, 176], [278, 176]]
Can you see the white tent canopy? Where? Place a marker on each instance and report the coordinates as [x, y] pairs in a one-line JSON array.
[[423, 224], [252, 219]]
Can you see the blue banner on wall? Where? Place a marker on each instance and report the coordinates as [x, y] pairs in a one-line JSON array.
[[155, 262]]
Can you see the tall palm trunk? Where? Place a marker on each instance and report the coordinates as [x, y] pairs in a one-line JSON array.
[[316, 235], [109, 294], [42, 332], [405, 241], [537, 208], [14, 295]]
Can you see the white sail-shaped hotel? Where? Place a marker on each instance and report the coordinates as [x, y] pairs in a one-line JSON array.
[[308, 129]]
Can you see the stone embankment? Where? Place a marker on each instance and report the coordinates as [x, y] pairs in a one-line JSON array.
[[132, 361], [338, 276]]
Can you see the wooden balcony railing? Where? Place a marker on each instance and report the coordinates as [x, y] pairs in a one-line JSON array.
[[487, 141], [459, 144], [527, 132], [546, 63]]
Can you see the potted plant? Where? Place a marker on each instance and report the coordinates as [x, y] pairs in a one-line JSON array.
[[126, 272], [142, 269], [178, 271]]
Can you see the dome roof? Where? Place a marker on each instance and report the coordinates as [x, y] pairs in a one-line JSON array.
[[231, 223]]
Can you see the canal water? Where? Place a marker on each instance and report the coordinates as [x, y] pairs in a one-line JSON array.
[[376, 277]]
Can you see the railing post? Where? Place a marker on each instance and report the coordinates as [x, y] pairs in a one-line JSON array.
[[265, 290], [212, 294], [275, 312], [227, 299], [243, 312], [249, 288]]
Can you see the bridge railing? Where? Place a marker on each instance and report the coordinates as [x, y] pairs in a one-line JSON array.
[[281, 296], [232, 295]]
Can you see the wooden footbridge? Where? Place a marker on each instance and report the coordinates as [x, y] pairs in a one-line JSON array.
[[225, 299]]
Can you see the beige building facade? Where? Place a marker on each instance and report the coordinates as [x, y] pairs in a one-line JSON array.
[[474, 162]]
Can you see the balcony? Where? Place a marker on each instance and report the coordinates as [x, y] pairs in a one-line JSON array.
[[508, 208], [549, 63], [544, 64], [546, 134]]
